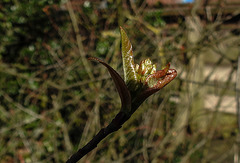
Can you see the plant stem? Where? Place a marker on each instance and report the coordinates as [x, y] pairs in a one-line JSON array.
[[115, 125]]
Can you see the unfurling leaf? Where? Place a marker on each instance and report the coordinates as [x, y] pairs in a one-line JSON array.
[[120, 85], [141, 81], [130, 76]]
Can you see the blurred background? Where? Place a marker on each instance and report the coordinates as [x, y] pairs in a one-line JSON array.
[[53, 100]]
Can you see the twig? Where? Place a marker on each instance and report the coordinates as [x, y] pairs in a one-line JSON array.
[[81, 51], [115, 125]]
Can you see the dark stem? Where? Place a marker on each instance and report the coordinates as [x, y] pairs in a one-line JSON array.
[[115, 125]]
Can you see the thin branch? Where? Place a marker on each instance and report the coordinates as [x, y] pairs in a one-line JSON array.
[[115, 125], [80, 45]]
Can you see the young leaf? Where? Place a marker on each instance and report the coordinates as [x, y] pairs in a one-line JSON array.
[[120, 85], [130, 76]]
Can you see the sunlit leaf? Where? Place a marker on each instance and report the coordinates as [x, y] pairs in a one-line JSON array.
[[127, 57], [166, 76]]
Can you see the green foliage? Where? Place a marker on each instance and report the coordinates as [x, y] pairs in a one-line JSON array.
[[155, 18], [24, 26], [102, 47]]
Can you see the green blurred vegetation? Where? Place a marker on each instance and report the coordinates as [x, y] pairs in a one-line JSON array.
[[53, 100]]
